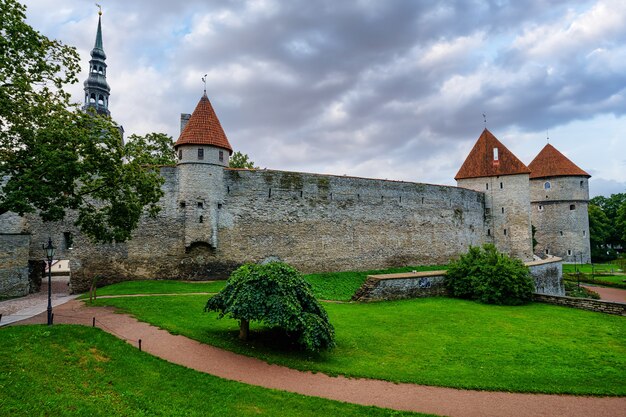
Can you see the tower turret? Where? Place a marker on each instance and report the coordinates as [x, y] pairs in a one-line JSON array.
[[96, 87], [493, 169], [559, 196], [203, 151]]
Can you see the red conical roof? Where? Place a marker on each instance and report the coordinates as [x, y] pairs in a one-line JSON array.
[[482, 160], [204, 128], [552, 163]]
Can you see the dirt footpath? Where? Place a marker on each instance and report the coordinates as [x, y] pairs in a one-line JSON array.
[[410, 397]]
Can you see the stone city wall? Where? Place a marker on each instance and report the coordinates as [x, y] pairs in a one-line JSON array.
[[314, 222], [401, 286], [548, 276], [14, 269]]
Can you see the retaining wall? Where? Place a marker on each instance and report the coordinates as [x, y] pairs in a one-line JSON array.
[[609, 307]]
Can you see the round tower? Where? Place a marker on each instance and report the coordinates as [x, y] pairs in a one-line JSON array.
[[494, 170], [203, 152], [559, 192]]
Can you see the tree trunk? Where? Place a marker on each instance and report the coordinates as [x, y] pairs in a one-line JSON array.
[[244, 329]]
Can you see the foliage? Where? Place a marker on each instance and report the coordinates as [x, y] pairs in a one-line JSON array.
[[151, 149], [491, 277], [275, 294], [533, 231], [241, 160], [434, 341], [614, 222], [599, 232], [55, 158], [83, 371], [573, 290]]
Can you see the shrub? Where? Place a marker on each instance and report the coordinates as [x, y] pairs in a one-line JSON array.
[[491, 277], [573, 290], [276, 295]]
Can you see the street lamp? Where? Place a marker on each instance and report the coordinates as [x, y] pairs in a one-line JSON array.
[[49, 255]]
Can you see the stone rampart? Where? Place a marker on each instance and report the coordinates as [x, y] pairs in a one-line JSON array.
[[609, 307], [548, 276], [401, 286], [14, 270]]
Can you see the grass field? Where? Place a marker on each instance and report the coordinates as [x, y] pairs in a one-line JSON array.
[[82, 371], [326, 286], [596, 268], [434, 341]]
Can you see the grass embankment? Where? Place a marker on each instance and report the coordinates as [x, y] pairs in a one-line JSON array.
[[435, 341], [326, 286], [82, 371]]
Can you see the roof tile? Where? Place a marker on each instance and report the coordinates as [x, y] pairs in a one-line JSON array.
[[482, 161], [204, 128], [552, 163]]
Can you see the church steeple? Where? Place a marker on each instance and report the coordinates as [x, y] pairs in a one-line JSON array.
[[96, 87]]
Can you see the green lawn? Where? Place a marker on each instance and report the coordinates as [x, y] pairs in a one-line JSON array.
[[596, 268], [159, 287], [434, 341], [82, 371], [326, 286]]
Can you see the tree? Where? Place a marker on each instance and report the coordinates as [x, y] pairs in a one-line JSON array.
[[599, 229], [55, 158], [276, 295], [151, 149], [611, 206], [241, 160], [486, 275]]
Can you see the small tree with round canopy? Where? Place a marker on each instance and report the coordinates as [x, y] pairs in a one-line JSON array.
[[276, 295]]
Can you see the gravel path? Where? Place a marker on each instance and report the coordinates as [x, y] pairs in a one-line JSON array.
[[608, 293], [425, 399]]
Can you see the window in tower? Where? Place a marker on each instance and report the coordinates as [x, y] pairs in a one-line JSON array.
[[487, 186], [488, 232], [221, 156], [200, 154], [101, 100], [561, 232], [495, 154], [92, 98], [572, 206], [569, 252], [100, 70], [582, 184], [504, 232], [501, 185], [547, 251], [547, 185], [540, 208], [584, 233], [502, 210]]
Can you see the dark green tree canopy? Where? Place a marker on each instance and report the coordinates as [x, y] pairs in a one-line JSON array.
[[151, 149], [55, 158], [241, 160], [276, 295], [486, 275]]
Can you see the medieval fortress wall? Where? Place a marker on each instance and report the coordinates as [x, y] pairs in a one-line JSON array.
[[315, 222]]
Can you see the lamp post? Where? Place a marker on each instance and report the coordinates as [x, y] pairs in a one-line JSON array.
[[49, 255]]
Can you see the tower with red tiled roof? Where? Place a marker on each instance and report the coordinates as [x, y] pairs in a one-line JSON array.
[[493, 169], [559, 197], [203, 152]]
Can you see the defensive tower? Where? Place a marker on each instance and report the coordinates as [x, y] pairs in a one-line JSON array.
[[203, 152], [559, 196], [96, 87], [491, 168]]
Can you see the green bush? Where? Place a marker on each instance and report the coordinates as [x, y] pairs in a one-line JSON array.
[[491, 277], [276, 295], [573, 290]]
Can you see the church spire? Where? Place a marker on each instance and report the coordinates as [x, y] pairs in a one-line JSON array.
[[96, 87]]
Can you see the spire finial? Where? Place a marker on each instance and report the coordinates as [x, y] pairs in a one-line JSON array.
[[485, 119], [548, 136], [204, 81], [99, 9]]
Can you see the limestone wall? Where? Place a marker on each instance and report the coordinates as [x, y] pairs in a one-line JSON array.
[[548, 276], [507, 212], [14, 273]]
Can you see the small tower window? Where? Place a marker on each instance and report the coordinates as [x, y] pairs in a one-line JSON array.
[[582, 184], [201, 219], [200, 204], [487, 186], [501, 185], [221, 156], [572, 206], [569, 252], [504, 232], [495, 154], [547, 251], [488, 232], [540, 208], [101, 100], [68, 240], [561, 232], [547, 185], [200, 154], [487, 211], [180, 154], [584, 233], [92, 98], [503, 210]]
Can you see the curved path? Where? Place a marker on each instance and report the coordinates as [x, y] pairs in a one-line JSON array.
[[425, 399], [608, 293]]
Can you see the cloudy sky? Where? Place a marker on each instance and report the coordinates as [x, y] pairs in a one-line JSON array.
[[390, 89]]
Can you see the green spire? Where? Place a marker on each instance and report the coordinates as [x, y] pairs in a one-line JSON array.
[[98, 44]]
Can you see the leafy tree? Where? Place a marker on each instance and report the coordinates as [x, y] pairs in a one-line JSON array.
[[599, 229], [241, 160], [276, 295], [620, 223], [151, 149], [55, 158], [611, 206], [491, 277]]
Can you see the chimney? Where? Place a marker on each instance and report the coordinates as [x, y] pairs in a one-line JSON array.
[[184, 118]]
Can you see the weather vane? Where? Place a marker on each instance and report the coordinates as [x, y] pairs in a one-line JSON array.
[[204, 81], [485, 119], [548, 136], [99, 9]]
